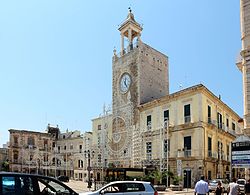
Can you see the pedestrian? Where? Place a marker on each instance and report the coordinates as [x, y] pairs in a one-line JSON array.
[[233, 188], [247, 187], [201, 187], [219, 189]]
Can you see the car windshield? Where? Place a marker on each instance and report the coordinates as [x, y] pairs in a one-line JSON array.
[[241, 182], [213, 182]]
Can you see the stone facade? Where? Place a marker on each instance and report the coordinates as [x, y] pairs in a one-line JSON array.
[[49, 153], [142, 65]]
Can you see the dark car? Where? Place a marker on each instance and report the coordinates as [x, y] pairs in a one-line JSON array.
[[63, 178], [32, 184]]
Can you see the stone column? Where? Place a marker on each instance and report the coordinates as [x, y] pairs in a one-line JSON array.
[[122, 44], [245, 53]]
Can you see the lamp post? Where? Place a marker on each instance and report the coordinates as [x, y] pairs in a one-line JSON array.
[[88, 155]]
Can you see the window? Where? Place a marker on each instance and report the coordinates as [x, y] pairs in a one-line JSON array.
[[31, 141], [209, 118], [219, 120], [65, 147], [15, 140], [233, 126], [187, 146], [166, 115], [134, 187], [8, 185], [80, 164], [99, 127], [227, 123], [149, 122], [80, 148], [187, 113], [209, 143], [149, 150], [26, 185], [45, 144], [59, 148], [15, 156], [71, 146]]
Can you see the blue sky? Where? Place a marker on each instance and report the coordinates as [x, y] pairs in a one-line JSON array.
[[56, 55]]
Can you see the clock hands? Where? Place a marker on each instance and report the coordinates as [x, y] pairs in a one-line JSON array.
[[125, 82]]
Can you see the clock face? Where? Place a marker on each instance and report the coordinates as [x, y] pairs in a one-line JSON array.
[[125, 82]]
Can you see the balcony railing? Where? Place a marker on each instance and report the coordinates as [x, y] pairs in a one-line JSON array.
[[187, 153], [187, 119], [149, 126]]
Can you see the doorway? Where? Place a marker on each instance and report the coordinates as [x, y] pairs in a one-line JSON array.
[[187, 178]]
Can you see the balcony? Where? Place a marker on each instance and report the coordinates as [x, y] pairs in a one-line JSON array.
[[149, 126], [187, 119], [184, 154]]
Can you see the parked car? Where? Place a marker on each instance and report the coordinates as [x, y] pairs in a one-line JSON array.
[[213, 184], [21, 183], [241, 183], [63, 178], [126, 188]]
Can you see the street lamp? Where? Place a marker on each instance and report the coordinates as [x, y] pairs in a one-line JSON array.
[[89, 154]]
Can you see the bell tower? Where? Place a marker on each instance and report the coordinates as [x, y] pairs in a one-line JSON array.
[[140, 75]]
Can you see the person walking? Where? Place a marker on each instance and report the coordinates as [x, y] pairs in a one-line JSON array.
[[201, 187], [233, 188], [247, 187], [219, 189]]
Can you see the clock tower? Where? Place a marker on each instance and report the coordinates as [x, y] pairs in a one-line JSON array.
[[140, 75]]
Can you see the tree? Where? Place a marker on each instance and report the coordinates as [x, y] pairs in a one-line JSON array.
[[5, 166]]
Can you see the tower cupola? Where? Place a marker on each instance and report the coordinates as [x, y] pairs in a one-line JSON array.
[[129, 29]]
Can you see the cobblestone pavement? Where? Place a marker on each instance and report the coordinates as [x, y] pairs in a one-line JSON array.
[[80, 186]]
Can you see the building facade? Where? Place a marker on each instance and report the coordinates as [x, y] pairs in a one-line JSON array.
[[49, 153], [188, 132]]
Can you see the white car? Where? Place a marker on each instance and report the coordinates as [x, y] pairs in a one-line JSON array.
[[241, 183], [213, 184], [125, 188]]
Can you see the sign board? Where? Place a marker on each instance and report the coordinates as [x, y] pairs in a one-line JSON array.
[[241, 154]]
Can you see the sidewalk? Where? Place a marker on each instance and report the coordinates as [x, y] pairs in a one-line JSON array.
[[80, 186]]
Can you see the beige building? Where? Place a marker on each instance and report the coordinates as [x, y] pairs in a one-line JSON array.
[[188, 132], [49, 153]]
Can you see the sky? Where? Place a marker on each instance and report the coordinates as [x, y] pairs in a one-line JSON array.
[[56, 55]]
